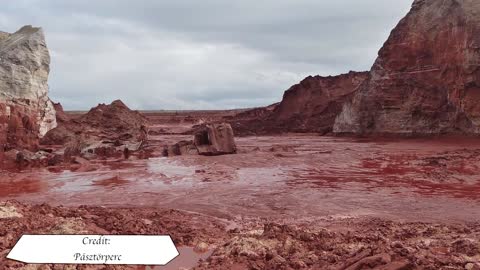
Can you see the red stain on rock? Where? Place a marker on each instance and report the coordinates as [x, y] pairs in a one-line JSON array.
[[310, 106], [26, 112], [18, 127], [215, 139], [426, 79]]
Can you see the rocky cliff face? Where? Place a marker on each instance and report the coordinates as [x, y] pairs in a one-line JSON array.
[[310, 106], [426, 79], [313, 104], [26, 112]]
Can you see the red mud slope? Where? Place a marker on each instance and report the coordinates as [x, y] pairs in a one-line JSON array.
[[112, 122], [310, 106]]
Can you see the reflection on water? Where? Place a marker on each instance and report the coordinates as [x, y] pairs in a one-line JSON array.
[[170, 169], [303, 176]]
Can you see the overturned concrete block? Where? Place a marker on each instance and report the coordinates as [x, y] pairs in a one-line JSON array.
[[215, 139]]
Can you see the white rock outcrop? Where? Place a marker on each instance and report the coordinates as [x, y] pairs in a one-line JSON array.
[[26, 112]]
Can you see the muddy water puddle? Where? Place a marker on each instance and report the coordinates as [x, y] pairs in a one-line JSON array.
[[187, 259], [287, 177]]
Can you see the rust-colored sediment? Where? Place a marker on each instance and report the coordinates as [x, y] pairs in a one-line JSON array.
[[208, 243], [278, 177], [291, 201]]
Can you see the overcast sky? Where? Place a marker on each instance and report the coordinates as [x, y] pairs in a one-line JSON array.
[[209, 54]]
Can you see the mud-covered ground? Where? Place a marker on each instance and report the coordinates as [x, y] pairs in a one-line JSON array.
[[292, 201], [333, 243]]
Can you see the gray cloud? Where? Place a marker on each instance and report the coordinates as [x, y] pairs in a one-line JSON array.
[[200, 54]]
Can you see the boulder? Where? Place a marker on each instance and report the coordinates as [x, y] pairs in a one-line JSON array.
[[426, 79], [26, 112], [215, 139]]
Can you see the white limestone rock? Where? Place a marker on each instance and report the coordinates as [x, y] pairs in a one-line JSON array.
[[24, 69]]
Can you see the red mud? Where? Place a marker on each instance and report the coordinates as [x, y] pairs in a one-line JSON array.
[[207, 243], [278, 177], [277, 191], [187, 230]]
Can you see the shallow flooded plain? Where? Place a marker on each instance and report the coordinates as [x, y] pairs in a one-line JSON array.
[[293, 177]]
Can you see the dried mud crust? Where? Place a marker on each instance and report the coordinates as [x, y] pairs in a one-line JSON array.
[[351, 244], [341, 243]]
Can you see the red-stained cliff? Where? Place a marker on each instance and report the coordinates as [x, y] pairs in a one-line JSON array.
[[26, 112], [426, 79], [310, 106]]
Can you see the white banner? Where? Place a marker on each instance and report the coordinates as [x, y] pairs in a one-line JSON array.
[[94, 249]]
